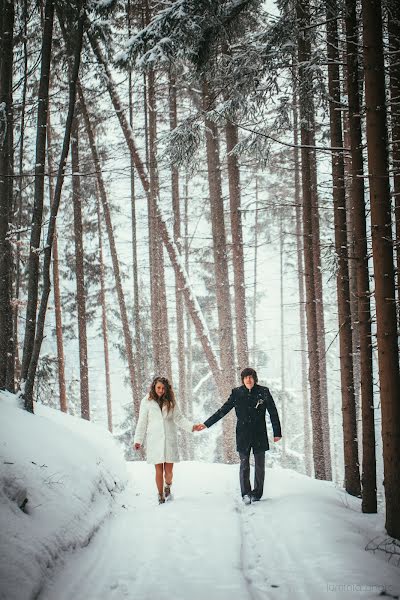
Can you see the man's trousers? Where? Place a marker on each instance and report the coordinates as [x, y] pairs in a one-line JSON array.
[[259, 460]]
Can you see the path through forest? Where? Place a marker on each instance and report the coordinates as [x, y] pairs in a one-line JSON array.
[[305, 539]]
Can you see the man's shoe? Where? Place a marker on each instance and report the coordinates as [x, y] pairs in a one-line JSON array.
[[161, 499], [246, 499], [254, 496]]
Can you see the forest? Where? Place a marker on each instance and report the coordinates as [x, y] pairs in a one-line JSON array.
[[150, 153]]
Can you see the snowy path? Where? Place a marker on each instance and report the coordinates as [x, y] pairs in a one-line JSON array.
[[304, 540]]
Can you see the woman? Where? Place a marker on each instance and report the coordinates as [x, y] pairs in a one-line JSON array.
[[158, 417]]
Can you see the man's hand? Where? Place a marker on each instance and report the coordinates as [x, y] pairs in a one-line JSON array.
[[276, 439], [199, 427], [137, 446]]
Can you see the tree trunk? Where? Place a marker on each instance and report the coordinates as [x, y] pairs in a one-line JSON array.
[[189, 353], [225, 333], [382, 246], [282, 332], [394, 72], [159, 309], [300, 275], [352, 279], [135, 271], [319, 305], [56, 285], [31, 374], [351, 464], [137, 320], [179, 304], [242, 350], [79, 271], [369, 500], [104, 326], [255, 275], [113, 249], [19, 202], [306, 131], [40, 159], [6, 194]]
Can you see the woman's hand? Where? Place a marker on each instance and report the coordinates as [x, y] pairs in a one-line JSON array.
[[137, 446]]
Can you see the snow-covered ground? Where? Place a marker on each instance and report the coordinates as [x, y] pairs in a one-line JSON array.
[[86, 536]]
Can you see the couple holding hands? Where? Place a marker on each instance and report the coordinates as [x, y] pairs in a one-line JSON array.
[[160, 415]]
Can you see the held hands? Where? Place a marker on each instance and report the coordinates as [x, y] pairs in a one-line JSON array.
[[198, 427]]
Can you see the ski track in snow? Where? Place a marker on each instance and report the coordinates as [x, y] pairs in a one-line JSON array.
[[206, 545], [187, 548]]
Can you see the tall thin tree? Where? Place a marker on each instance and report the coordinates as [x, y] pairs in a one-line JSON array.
[[351, 464], [239, 289], [104, 325], [176, 209], [6, 192], [56, 284], [175, 258], [300, 275], [37, 213], [306, 113], [393, 21], [79, 269], [34, 356], [222, 292], [360, 257], [113, 248], [135, 269], [382, 246]]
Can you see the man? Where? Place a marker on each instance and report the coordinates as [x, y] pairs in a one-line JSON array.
[[250, 401]]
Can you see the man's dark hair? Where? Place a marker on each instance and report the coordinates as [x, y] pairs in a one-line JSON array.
[[249, 371]]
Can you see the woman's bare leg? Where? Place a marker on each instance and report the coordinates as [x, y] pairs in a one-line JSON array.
[[168, 471], [160, 478]]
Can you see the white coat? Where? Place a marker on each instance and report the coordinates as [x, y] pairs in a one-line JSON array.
[[159, 427]]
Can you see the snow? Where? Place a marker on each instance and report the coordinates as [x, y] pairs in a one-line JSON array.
[[85, 535], [69, 470]]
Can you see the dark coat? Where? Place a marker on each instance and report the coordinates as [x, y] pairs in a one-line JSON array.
[[250, 407]]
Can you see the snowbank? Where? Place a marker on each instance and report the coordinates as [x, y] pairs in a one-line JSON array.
[[58, 474]]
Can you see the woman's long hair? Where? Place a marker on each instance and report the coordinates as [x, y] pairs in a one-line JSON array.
[[168, 398]]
